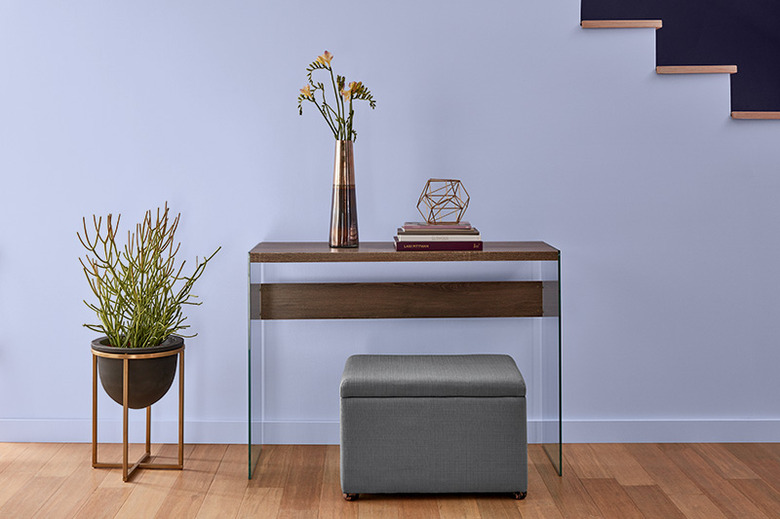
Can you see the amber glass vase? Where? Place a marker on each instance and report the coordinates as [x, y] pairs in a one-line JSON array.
[[343, 209]]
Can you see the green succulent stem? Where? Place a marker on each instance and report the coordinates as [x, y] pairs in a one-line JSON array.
[[139, 287]]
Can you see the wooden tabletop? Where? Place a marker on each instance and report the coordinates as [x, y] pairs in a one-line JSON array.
[[316, 252]]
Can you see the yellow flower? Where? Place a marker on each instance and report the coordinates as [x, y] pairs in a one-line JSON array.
[[349, 92], [306, 91], [325, 58]]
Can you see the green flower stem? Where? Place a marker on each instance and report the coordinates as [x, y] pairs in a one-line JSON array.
[[340, 107], [326, 105], [327, 118], [349, 121]]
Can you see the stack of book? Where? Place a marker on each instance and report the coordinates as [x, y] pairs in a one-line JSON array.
[[438, 236]]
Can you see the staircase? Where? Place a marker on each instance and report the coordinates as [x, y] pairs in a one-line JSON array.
[[736, 37]]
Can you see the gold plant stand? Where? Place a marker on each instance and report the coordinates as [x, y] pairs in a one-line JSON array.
[[127, 470]]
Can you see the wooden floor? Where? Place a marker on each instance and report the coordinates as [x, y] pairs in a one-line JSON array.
[[600, 480]]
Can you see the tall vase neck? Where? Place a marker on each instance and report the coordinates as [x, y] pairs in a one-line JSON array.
[[344, 165]]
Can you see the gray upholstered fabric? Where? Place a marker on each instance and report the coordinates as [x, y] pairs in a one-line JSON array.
[[433, 423], [419, 445], [431, 375]]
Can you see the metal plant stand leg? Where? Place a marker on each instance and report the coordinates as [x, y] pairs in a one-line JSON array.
[[142, 462]]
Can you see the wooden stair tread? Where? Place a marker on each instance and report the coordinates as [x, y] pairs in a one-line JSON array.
[[621, 24], [718, 33], [755, 115], [696, 69]]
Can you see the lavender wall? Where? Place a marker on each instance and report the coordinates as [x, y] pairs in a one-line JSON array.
[[665, 209]]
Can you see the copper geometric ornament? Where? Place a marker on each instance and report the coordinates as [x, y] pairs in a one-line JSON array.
[[443, 200]]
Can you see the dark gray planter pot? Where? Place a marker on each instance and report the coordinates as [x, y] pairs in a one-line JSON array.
[[148, 379]]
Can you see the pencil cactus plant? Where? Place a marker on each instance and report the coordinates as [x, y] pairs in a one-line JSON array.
[[139, 286]]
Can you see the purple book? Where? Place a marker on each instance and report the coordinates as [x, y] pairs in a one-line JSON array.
[[436, 245]]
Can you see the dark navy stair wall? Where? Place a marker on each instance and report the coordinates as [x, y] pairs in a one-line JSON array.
[[745, 33]]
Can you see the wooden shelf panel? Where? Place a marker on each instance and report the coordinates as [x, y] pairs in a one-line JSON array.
[[319, 252], [755, 115], [696, 69], [621, 24], [403, 300]]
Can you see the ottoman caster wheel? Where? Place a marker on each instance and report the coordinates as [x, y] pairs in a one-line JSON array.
[[350, 497], [520, 495]]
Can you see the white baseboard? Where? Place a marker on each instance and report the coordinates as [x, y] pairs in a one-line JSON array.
[[327, 432], [110, 431], [577, 431], [671, 431], [309, 433]]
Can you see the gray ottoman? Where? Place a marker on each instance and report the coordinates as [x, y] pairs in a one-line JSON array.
[[433, 424]]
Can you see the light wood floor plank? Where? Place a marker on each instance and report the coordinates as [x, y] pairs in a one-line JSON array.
[[724, 462], [296, 514], [188, 492], [304, 484], [680, 489], [497, 506], [419, 507], [332, 504], [105, 502], [73, 463], [620, 465], [584, 461], [569, 494], [9, 452], [772, 449], [652, 502], [761, 460], [663, 471], [378, 507], [43, 494], [765, 498], [260, 502], [273, 466], [112, 492], [67, 459], [460, 507], [611, 498], [151, 487], [33, 458], [223, 499], [19, 472], [296, 481], [539, 504], [27, 501], [729, 500], [696, 506]]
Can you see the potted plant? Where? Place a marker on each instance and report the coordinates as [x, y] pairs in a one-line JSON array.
[[140, 292], [339, 117]]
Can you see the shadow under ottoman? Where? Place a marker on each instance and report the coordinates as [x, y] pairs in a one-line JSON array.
[[433, 424]]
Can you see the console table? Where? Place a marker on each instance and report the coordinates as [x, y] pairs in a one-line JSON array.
[[538, 298]]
